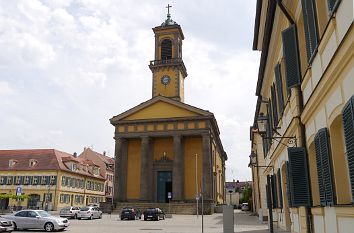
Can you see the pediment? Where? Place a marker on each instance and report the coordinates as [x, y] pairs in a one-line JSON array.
[[160, 108]]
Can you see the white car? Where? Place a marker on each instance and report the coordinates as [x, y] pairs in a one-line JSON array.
[[37, 219], [69, 212], [89, 212], [6, 225]]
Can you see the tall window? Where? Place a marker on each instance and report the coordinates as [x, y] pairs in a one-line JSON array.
[[166, 49]]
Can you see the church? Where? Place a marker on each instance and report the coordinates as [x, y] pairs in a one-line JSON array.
[[166, 150]]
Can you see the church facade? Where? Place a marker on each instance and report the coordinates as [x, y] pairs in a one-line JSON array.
[[165, 149]]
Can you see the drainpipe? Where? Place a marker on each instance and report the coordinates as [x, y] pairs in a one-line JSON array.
[[309, 224]]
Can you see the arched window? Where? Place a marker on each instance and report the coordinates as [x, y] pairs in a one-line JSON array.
[[166, 49]]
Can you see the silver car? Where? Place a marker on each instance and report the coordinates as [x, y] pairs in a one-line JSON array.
[[69, 212], [6, 225], [89, 212], [37, 219]]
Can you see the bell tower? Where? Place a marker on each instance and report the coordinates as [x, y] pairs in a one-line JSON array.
[[168, 70]]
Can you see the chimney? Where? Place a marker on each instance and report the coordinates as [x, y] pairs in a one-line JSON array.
[[104, 153], [75, 155]]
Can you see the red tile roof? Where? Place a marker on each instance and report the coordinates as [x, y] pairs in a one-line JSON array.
[[47, 159]]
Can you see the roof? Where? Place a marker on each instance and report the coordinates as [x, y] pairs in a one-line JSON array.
[[240, 184], [104, 158], [47, 159], [156, 99]]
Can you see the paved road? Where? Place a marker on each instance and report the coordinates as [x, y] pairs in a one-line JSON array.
[[178, 224]]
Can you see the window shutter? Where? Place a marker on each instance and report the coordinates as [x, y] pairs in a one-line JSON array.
[[288, 188], [291, 57], [280, 190], [324, 168], [274, 107], [311, 35], [299, 177], [333, 5], [348, 125], [268, 192], [279, 87], [274, 191]]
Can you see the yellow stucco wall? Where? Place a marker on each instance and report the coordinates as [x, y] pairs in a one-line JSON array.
[[161, 146], [133, 170], [168, 90], [192, 146], [160, 110]]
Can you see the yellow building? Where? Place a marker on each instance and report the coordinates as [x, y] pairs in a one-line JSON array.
[[165, 147], [302, 136], [50, 178]]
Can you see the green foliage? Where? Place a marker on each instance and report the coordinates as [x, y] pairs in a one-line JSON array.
[[247, 195], [13, 196]]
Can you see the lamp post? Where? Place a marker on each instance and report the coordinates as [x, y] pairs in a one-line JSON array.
[[196, 182]]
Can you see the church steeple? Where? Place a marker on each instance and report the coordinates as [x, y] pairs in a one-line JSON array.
[[168, 70]]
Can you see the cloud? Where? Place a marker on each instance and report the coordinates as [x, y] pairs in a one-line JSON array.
[[68, 66]]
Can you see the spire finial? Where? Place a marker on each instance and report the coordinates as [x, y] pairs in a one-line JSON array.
[[168, 10]]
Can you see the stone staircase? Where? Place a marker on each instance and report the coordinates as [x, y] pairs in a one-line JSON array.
[[172, 208]]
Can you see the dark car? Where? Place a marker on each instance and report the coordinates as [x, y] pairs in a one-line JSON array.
[[154, 214], [130, 213]]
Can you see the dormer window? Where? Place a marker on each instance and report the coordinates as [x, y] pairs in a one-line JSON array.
[[32, 162], [74, 167], [12, 162], [95, 170]]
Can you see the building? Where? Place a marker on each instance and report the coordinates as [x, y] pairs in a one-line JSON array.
[[234, 191], [165, 147], [50, 178], [302, 137], [106, 165]]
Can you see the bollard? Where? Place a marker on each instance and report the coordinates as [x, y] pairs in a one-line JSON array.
[[228, 218]]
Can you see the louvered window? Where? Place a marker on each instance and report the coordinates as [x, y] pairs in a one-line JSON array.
[[291, 57], [274, 191], [333, 5], [279, 88], [280, 191], [274, 107], [298, 175], [310, 26], [348, 125], [166, 49], [324, 168]]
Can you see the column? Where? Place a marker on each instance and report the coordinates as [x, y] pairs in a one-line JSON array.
[[145, 169], [120, 170], [178, 169], [207, 174]]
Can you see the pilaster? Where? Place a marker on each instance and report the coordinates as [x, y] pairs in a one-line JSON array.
[[120, 171], [178, 169], [207, 173], [146, 170]]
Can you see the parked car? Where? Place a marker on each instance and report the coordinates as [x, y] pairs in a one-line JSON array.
[[94, 205], [37, 219], [6, 225], [154, 214], [245, 207], [69, 212], [89, 212], [130, 213]]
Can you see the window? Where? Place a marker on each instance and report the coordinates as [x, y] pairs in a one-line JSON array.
[[310, 27], [43, 180], [2, 180], [35, 180], [53, 180], [32, 162], [166, 49], [12, 162], [348, 126], [26, 180]]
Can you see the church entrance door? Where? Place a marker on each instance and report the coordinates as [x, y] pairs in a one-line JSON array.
[[164, 185]]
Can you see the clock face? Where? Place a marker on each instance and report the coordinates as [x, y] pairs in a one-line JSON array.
[[165, 80]]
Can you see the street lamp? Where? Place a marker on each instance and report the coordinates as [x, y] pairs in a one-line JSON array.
[[196, 182]]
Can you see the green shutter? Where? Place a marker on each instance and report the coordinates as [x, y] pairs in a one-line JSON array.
[[274, 191], [279, 86], [348, 125], [333, 5], [291, 57], [288, 185], [310, 26], [324, 166], [299, 177], [268, 192], [274, 106], [280, 190]]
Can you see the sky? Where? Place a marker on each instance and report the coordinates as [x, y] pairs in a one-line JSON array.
[[68, 66]]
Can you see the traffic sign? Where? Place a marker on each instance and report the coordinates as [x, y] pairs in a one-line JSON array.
[[169, 195]]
